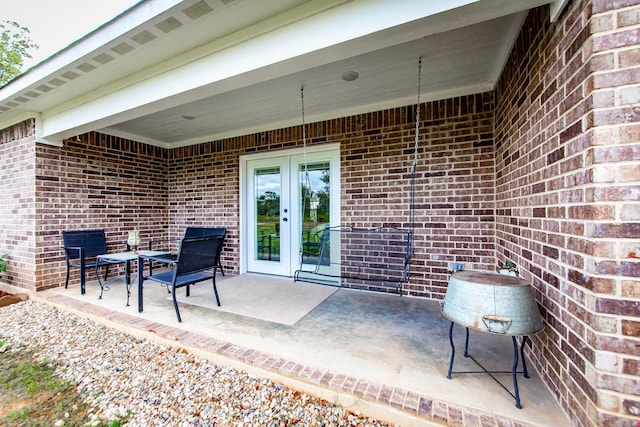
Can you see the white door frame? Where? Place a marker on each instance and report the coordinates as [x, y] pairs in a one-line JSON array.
[[335, 190], [281, 263]]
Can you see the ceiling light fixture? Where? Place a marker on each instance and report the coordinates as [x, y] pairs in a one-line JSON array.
[[349, 76], [187, 117]]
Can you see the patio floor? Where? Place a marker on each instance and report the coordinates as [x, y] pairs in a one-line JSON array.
[[382, 354]]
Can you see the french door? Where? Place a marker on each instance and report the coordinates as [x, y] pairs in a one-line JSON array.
[[288, 199]]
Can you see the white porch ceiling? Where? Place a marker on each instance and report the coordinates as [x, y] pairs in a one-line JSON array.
[[234, 67]]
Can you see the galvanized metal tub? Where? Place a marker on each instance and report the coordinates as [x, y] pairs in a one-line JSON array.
[[492, 302]]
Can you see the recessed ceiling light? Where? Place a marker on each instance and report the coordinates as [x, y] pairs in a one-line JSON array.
[[187, 117], [349, 76]]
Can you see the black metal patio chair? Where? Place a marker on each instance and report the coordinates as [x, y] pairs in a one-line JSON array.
[[81, 247], [196, 261], [205, 232]]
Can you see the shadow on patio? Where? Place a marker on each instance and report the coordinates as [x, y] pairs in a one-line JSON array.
[[382, 354]]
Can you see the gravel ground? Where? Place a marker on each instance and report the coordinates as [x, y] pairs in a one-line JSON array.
[[160, 385]]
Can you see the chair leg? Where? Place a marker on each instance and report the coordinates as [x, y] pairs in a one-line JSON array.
[[175, 305], [83, 283], [215, 291], [219, 264], [150, 263], [106, 272], [66, 283]]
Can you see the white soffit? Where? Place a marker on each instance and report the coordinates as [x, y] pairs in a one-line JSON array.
[[193, 57], [242, 58]]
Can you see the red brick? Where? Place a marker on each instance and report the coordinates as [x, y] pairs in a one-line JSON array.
[[629, 57], [631, 328], [615, 40], [631, 407], [631, 367]]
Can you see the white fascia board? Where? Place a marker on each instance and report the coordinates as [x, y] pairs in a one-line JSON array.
[[556, 9], [233, 65], [517, 20], [131, 18]]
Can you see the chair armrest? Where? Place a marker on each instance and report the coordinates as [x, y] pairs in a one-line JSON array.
[[80, 250]]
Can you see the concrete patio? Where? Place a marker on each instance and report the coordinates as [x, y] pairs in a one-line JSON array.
[[382, 354]]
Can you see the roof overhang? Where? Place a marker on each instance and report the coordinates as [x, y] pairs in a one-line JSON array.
[[172, 73]]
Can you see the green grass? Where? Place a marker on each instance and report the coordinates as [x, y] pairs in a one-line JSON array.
[[32, 394]]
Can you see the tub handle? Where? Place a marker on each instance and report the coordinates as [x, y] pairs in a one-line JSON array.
[[491, 322]]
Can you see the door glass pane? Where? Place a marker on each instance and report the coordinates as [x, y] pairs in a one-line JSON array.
[[267, 215], [315, 208]]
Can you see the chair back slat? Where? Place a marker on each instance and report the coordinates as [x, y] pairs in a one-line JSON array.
[[204, 231], [198, 254], [93, 242]]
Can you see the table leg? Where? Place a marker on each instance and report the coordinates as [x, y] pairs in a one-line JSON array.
[[514, 368], [514, 371], [140, 280], [127, 279], [453, 350], [524, 362], [466, 344], [102, 287]]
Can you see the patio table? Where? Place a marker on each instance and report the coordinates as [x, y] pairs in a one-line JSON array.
[[125, 257]]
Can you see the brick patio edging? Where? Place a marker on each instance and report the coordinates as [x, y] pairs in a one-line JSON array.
[[413, 404]]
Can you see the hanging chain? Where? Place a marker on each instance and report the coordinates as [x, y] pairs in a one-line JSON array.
[[415, 149], [306, 182], [415, 165], [304, 129]]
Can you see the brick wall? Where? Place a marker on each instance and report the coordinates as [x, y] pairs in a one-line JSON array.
[[454, 198], [567, 193], [18, 204], [97, 181], [454, 194], [204, 191], [106, 182]]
